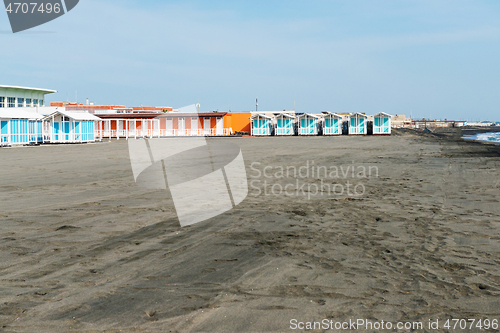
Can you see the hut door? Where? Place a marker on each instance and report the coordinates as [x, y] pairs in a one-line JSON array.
[[169, 127], [76, 130], [329, 126], [4, 132], [206, 126], [255, 127], [308, 125], [56, 131], [194, 126], [156, 127], [181, 126], [119, 128], [66, 130], [354, 125], [131, 128], [220, 126]]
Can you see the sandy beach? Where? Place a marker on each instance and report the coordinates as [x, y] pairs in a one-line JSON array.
[[84, 249]]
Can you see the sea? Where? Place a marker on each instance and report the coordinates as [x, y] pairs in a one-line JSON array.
[[489, 137]]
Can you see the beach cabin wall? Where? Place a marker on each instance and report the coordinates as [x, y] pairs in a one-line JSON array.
[[202, 124], [71, 127], [382, 124], [157, 125], [332, 124], [309, 124], [20, 128], [261, 125], [284, 124], [357, 124]]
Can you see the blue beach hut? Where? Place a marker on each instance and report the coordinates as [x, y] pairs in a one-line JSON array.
[[382, 124], [262, 125], [309, 124], [19, 127], [285, 124], [357, 124], [332, 124], [71, 127]]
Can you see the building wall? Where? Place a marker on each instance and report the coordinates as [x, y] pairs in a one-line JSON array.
[[239, 122], [19, 93]]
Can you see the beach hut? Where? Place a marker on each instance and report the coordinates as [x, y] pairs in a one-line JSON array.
[[382, 124], [262, 125], [19, 127], [309, 124], [71, 127], [357, 124], [285, 124], [332, 124]]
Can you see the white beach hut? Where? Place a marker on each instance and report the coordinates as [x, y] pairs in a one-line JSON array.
[[19, 127], [261, 125], [382, 124], [332, 124], [309, 124], [71, 127], [285, 124], [357, 124]]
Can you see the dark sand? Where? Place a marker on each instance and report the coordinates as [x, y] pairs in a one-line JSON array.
[[83, 249]]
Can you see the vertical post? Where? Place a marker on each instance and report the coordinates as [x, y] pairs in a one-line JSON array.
[[9, 132]]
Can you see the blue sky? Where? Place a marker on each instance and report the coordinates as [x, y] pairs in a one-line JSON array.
[[436, 59]]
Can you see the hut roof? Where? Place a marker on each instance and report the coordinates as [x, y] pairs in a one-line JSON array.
[[382, 114], [260, 116], [12, 113], [309, 115], [284, 115], [328, 113], [359, 114], [75, 115]]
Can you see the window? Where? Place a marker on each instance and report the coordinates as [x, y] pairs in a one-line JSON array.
[[28, 102], [2, 102], [41, 102], [11, 102], [35, 102], [20, 102]]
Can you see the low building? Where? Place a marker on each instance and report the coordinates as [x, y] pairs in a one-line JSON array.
[[332, 123], [309, 124], [110, 108], [139, 125], [400, 121], [261, 125], [19, 127], [71, 127], [22, 97], [358, 124], [284, 124], [421, 124], [382, 124], [238, 122]]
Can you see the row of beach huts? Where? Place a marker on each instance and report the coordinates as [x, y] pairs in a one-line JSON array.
[[325, 123], [21, 127]]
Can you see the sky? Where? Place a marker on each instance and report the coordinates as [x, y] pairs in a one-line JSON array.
[[425, 58]]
